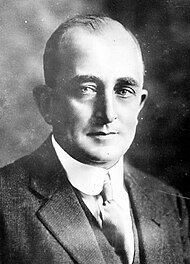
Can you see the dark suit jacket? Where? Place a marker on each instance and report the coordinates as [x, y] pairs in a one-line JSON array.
[[42, 221]]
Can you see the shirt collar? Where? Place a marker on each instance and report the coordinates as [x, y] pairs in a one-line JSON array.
[[86, 178]]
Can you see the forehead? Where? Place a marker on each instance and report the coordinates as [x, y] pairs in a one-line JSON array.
[[110, 51]]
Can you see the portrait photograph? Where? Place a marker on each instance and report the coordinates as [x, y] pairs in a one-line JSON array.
[[94, 132]]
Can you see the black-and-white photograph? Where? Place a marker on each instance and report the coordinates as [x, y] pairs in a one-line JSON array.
[[94, 132]]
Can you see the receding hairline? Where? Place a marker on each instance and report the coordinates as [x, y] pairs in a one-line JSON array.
[[95, 24]]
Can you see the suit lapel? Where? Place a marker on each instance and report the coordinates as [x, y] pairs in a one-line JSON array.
[[147, 222], [153, 220], [61, 212], [64, 218]]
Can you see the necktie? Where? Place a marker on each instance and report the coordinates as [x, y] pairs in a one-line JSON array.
[[114, 225]]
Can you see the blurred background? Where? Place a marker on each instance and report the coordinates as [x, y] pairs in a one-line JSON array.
[[163, 29]]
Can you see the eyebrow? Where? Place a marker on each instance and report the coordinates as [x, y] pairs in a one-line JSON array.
[[128, 81], [86, 78]]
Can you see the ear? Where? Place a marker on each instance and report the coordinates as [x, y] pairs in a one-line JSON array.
[[43, 97], [144, 95]]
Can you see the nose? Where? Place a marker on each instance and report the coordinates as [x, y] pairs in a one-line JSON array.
[[105, 111]]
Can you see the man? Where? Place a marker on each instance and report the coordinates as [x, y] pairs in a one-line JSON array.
[[73, 200]]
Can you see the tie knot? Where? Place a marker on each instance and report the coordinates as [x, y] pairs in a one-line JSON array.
[[107, 193]]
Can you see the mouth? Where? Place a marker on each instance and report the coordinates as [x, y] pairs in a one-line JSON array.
[[101, 133]]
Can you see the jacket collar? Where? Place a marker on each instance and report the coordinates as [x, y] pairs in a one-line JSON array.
[[44, 170]]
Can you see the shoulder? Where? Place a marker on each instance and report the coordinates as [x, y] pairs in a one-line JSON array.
[[153, 197], [148, 182], [14, 175], [36, 168], [156, 192], [30, 164]]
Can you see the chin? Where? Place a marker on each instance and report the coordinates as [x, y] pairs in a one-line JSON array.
[[105, 156]]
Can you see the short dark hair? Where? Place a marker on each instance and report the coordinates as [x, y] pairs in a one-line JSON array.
[[51, 57]]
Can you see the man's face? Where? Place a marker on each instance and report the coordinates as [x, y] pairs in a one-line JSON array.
[[98, 96]]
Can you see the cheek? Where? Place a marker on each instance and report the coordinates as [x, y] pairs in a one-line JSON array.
[[128, 115], [80, 112], [73, 114]]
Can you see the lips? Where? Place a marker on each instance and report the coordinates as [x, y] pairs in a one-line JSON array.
[[101, 133]]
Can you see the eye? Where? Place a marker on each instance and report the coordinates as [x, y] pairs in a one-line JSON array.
[[124, 92], [88, 88]]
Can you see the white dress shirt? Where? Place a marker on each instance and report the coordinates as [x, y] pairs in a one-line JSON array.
[[89, 181]]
